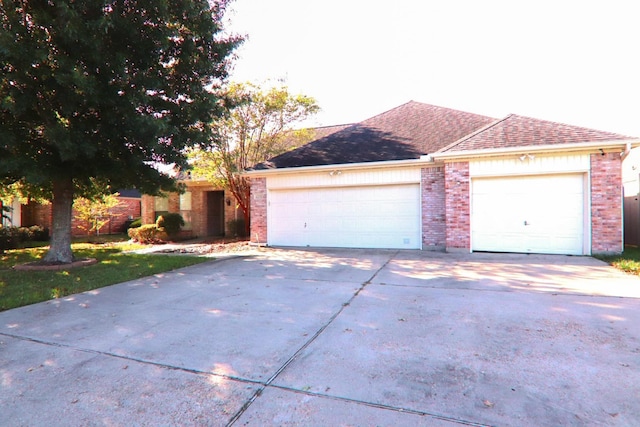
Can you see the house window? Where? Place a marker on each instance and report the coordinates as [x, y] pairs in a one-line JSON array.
[[161, 206], [185, 209]]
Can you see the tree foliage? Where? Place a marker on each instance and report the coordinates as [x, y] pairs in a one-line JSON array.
[[259, 126], [103, 90], [95, 213]]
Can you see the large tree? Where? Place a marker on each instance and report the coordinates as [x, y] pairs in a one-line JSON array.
[[260, 126], [105, 89]]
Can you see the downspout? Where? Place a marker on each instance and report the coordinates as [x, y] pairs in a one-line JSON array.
[[623, 155], [627, 150]]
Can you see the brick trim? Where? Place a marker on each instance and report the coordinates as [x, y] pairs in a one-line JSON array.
[[258, 210], [606, 204], [458, 222], [434, 220]]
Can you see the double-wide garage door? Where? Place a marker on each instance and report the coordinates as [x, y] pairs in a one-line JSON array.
[[532, 214], [386, 216]]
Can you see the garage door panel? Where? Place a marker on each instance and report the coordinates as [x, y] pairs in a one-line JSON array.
[[538, 214], [368, 217]]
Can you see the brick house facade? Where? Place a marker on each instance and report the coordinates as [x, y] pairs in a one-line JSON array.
[[41, 214], [207, 210], [446, 200], [567, 179]]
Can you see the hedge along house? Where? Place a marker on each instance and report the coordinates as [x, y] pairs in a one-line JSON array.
[[427, 177]]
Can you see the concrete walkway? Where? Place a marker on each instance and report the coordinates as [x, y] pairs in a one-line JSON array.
[[334, 337]]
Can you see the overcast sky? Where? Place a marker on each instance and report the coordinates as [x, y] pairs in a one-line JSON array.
[[575, 62]]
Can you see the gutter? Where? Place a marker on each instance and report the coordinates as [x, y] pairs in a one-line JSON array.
[[426, 160], [610, 145]]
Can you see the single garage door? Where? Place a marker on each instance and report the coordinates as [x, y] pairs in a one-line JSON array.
[[346, 217], [533, 214]]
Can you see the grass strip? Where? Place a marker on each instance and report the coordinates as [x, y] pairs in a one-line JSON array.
[[20, 288], [628, 261]]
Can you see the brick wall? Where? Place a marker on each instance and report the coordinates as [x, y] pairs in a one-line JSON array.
[[127, 207], [606, 203], [37, 214], [199, 209], [148, 209], [433, 209], [41, 214], [258, 210], [458, 225]]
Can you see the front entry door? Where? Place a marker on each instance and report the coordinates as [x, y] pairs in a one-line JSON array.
[[215, 213]]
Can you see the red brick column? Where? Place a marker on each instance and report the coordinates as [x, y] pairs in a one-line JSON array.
[[606, 203], [174, 202], [259, 210], [458, 228], [198, 211], [433, 209], [148, 209]]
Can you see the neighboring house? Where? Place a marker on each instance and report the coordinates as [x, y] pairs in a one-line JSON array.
[[33, 213], [426, 177]]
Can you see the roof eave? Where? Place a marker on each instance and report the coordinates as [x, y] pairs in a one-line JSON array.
[[550, 148], [422, 161]]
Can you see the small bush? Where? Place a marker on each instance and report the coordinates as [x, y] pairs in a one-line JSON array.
[[35, 233], [236, 227], [135, 223], [170, 223], [13, 237], [9, 238], [148, 233]]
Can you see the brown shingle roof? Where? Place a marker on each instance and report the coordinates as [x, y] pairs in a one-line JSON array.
[[520, 131], [405, 132]]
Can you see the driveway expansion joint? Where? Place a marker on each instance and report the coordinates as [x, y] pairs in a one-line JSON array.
[[132, 359], [382, 406], [269, 382]]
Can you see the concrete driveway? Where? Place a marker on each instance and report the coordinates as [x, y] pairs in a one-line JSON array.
[[334, 337]]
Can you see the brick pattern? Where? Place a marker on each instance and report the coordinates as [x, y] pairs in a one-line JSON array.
[[199, 209], [41, 214], [148, 209], [458, 228], [606, 203], [128, 207], [258, 210], [433, 209]]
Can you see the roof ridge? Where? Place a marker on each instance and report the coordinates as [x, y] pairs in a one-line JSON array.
[[474, 133], [385, 112]]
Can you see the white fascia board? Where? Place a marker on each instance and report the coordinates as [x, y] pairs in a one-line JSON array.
[[422, 161], [552, 148]]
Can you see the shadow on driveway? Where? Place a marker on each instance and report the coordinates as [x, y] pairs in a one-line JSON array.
[[334, 337]]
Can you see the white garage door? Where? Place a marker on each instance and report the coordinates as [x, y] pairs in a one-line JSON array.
[[348, 217], [537, 214]]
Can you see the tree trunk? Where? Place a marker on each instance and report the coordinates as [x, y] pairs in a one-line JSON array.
[[62, 204]]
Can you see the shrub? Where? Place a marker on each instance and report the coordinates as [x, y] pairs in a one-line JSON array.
[[33, 233], [148, 233], [9, 238], [170, 223], [13, 237], [236, 227], [135, 223]]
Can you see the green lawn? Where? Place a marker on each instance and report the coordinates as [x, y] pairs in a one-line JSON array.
[[628, 261], [19, 288]]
